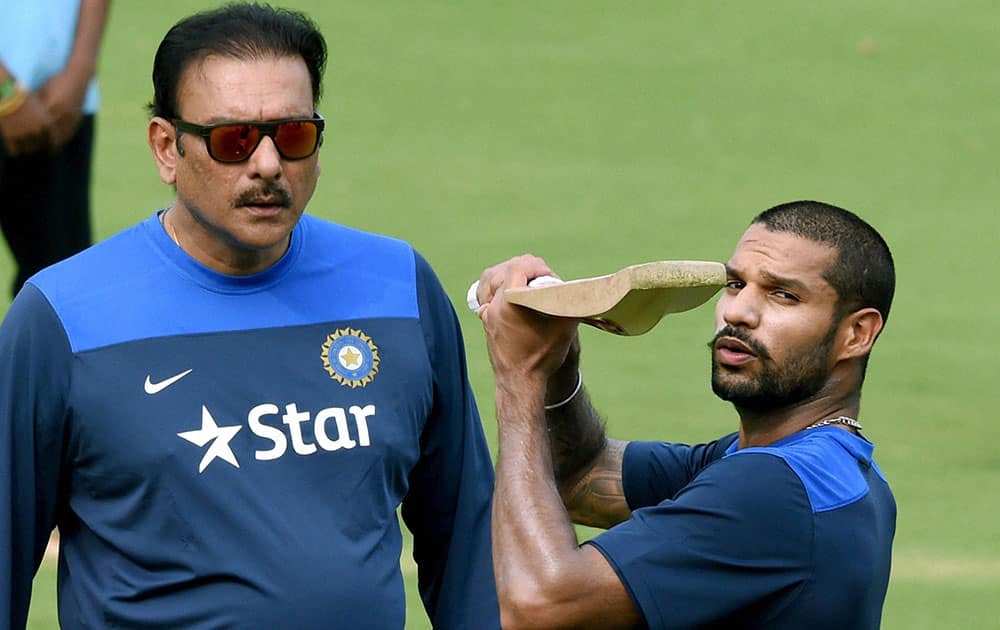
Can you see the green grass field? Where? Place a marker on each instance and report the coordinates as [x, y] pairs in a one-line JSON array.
[[600, 134]]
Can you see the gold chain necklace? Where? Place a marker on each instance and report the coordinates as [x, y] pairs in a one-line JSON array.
[[170, 228], [173, 234]]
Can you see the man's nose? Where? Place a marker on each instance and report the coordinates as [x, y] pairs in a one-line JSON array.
[[266, 161], [740, 308]]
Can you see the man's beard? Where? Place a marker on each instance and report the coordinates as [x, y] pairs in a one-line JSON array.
[[774, 386]]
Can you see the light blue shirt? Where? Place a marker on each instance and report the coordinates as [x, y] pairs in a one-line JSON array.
[[36, 39]]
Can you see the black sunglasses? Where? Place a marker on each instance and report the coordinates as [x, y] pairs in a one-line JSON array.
[[295, 138]]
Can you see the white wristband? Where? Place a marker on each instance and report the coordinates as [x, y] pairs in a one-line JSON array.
[[576, 390]]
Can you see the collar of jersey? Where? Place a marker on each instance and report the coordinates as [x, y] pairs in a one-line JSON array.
[[220, 282], [856, 445]]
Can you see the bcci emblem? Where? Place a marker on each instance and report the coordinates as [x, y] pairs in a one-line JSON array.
[[350, 357]]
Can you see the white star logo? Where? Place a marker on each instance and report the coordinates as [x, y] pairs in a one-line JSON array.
[[208, 432], [350, 358]]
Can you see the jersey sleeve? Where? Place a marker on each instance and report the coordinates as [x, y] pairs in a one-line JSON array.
[[738, 537], [654, 471], [35, 362], [448, 504]]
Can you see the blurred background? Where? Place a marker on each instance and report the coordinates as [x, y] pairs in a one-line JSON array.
[[599, 134]]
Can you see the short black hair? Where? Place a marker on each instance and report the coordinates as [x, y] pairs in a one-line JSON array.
[[863, 274], [239, 30]]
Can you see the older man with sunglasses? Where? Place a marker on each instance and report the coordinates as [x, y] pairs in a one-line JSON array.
[[223, 407]]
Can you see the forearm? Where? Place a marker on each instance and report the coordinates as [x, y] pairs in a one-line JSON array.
[[576, 436], [536, 529], [586, 463], [533, 539], [544, 578], [576, 432], [87, 43]]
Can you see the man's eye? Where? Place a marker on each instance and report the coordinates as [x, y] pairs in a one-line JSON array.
[[785, 295], [735, 284]]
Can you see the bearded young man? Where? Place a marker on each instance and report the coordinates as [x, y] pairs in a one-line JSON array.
[[223, 407], [787, 523]]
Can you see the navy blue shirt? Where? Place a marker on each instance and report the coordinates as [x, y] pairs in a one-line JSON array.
[[797, 534], [224, 451]]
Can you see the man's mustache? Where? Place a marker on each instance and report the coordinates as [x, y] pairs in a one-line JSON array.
[[736, 333], [270, 194]]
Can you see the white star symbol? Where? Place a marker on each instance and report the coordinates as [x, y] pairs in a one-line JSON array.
[[350, 357], [210, 431]]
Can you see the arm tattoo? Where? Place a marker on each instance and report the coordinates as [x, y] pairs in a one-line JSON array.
[[597, 499]]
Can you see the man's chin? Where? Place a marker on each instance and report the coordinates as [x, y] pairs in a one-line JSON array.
[[741, 392], [729, 381]]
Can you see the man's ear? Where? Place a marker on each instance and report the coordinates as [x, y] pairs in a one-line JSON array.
[[161, 136], [858, 331]]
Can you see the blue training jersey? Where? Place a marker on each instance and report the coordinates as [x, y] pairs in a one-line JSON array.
[[222, 451], [797, 534]]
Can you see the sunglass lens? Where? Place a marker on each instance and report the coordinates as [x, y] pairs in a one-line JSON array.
[[297, 140], [233, 143]]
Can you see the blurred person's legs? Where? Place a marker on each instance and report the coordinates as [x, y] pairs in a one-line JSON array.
[[45, 203]]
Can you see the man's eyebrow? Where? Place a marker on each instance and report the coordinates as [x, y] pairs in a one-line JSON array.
[[771, 278], [781, 281]]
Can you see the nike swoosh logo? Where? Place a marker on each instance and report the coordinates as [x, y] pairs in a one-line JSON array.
[[155, 388]]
